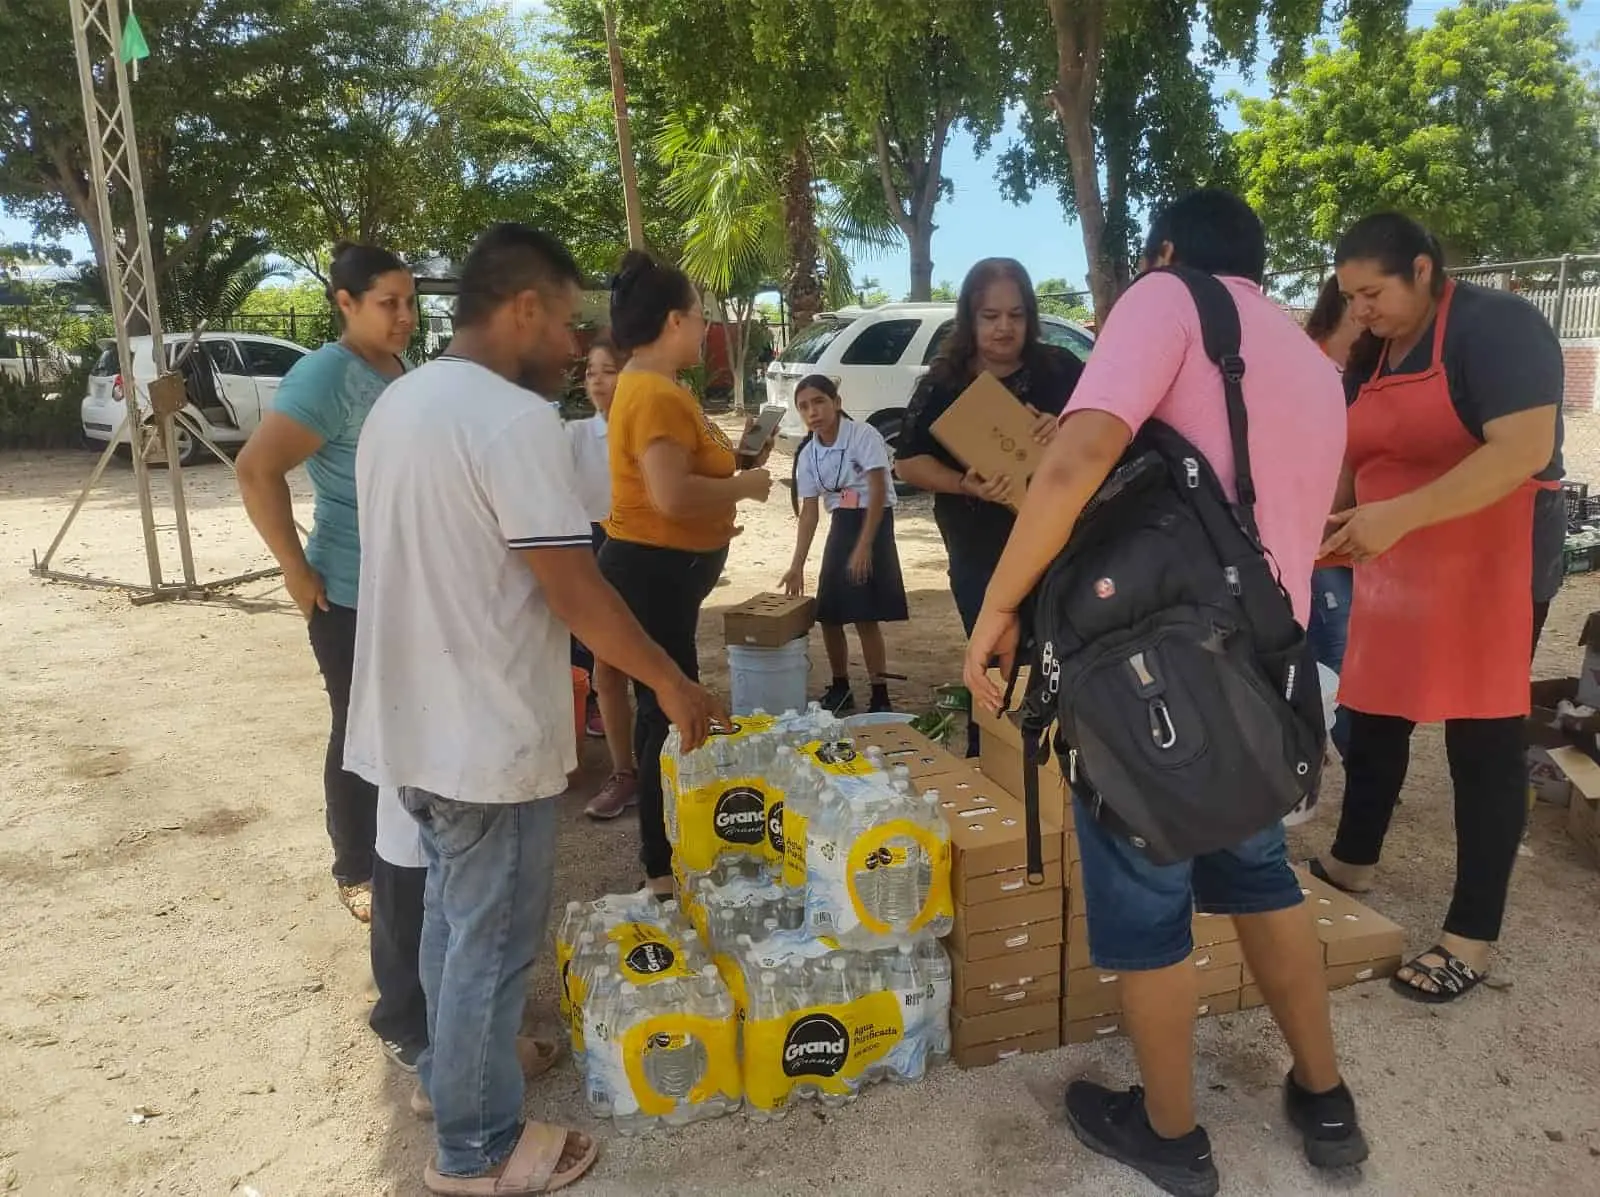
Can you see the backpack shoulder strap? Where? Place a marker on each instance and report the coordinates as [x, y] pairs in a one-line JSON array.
[[1219, 330]]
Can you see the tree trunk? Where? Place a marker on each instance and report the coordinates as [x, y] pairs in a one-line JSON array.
[[619, 108], [802, 284], [1080, 33], [922, 262]]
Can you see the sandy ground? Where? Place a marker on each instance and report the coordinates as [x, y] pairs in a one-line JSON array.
[[172, 945]]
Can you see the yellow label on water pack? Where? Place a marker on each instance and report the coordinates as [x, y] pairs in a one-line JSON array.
[[646, 953], [838, 758], [890, 845], [563, 966], [826, 1046], [672, 1033], [794, 848], [740, 816]]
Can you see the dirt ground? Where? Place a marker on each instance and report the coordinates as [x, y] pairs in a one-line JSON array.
[[182, 999]]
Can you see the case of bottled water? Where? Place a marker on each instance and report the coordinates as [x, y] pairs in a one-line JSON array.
[[653, 1025], [822, 1022]]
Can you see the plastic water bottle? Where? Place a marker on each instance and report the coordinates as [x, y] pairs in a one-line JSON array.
[[909, 1059], [581, 957], [602, 1016], [769, 1001], [834, 989], [934, 967], [793, 911], [629, 1119], [673, 1064]]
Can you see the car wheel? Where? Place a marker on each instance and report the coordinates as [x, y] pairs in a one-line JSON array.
[[889, 425], [190, 450]]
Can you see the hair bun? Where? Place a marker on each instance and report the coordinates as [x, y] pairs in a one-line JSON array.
[[340, 248]]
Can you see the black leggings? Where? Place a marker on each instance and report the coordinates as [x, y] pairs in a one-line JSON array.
[[664, 588], [1491, 795], [401, 1011], [351, 801]]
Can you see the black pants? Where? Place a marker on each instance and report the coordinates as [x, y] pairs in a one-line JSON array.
[[582, 658], [664, 588], [351, 801], [1490, 780], [401, 1012], [1541, 612], [971, 568]]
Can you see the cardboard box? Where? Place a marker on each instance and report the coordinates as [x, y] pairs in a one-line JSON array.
[[1000, 755], [1077, 900], [1568, 775], [990, 1000], [1250, 997], [1357, 935], [994, 887], [987, 832], [989, 430], [1038, 904], [1109, 1026], [902, 746], [1220, 980], [1546, 697], [1212, 955], [985, 945], [769, 620], [1341, 975], [1010, 971], [984, 1054], [1091, 992], [1208, 930], [1583, 820], [969, 1030]]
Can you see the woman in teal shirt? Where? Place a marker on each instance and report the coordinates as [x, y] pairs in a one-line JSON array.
[[316, 420]]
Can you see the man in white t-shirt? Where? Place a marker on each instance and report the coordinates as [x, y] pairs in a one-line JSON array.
[[476, 567]]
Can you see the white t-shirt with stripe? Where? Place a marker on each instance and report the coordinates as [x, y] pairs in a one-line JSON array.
[[461, 683]]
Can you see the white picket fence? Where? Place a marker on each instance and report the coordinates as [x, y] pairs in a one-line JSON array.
[[1580, 315]]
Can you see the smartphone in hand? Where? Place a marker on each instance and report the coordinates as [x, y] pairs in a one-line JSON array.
[[760, 434]]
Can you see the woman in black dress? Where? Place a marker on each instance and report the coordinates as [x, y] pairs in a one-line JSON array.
[[843, 465], [996, 330]]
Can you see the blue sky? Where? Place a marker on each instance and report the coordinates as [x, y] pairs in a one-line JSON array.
[[975, 222]]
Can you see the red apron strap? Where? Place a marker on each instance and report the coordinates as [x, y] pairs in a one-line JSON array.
[[1441, 318]]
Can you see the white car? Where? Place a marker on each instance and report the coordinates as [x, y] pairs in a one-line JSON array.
[[876, 355], [231, 379]]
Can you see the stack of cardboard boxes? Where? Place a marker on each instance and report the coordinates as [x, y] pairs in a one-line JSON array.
[[1563, 736], [1358, 943]]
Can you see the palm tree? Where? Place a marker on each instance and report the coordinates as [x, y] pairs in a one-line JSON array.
[[729, 187], [213, 282]]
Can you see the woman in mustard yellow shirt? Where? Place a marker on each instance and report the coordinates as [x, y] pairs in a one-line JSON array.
[[674, 487]]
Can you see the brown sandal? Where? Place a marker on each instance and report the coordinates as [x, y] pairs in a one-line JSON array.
[[530, 1169], [357, 899]]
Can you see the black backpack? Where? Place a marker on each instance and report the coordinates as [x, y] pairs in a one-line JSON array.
[[1165, 650]]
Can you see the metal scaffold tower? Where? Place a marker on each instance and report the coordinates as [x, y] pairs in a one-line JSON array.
[[116, 184]]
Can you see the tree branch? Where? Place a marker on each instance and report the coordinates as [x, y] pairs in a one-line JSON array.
[[891, 193]]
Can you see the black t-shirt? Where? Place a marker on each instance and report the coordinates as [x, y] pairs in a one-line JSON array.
[[1500, 357], [971, 526]]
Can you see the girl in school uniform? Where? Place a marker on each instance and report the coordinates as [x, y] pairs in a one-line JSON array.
[[844, 466], [611, 715]]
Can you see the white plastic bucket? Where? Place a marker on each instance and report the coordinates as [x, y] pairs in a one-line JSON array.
[[1330, 711], [876, 719], [771, 679]]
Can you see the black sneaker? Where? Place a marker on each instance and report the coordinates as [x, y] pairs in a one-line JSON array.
[[1327, 1124], [838, 699], [403, 1056], [880, 700], [1114, 1124]]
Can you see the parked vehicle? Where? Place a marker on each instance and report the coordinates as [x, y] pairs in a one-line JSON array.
[[27, 356], [230, 378], [876, 355]]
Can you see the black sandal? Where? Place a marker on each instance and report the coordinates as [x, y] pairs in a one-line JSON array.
[[1455, 978], [1314, 867]]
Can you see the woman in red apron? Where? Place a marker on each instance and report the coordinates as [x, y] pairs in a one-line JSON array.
[[1447, 431]]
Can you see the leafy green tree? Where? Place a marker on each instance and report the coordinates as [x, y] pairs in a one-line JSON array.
[[1482, 126], [1129, 91], [912, 71], [224, 79], [214, 281], [1060, 298], [435, 133]]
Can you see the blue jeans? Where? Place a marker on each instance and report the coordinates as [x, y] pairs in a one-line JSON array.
[[485, 909], [1329, 630], [1141, 915]]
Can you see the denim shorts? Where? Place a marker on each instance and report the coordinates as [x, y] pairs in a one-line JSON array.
[[1141, 914]]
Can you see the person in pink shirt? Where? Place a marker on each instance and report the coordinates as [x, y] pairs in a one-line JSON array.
[[1150, 363]]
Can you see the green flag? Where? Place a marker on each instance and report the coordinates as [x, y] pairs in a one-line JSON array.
[[134, 47]]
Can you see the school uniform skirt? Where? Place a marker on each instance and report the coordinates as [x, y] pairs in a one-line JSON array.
[[882, 597]]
